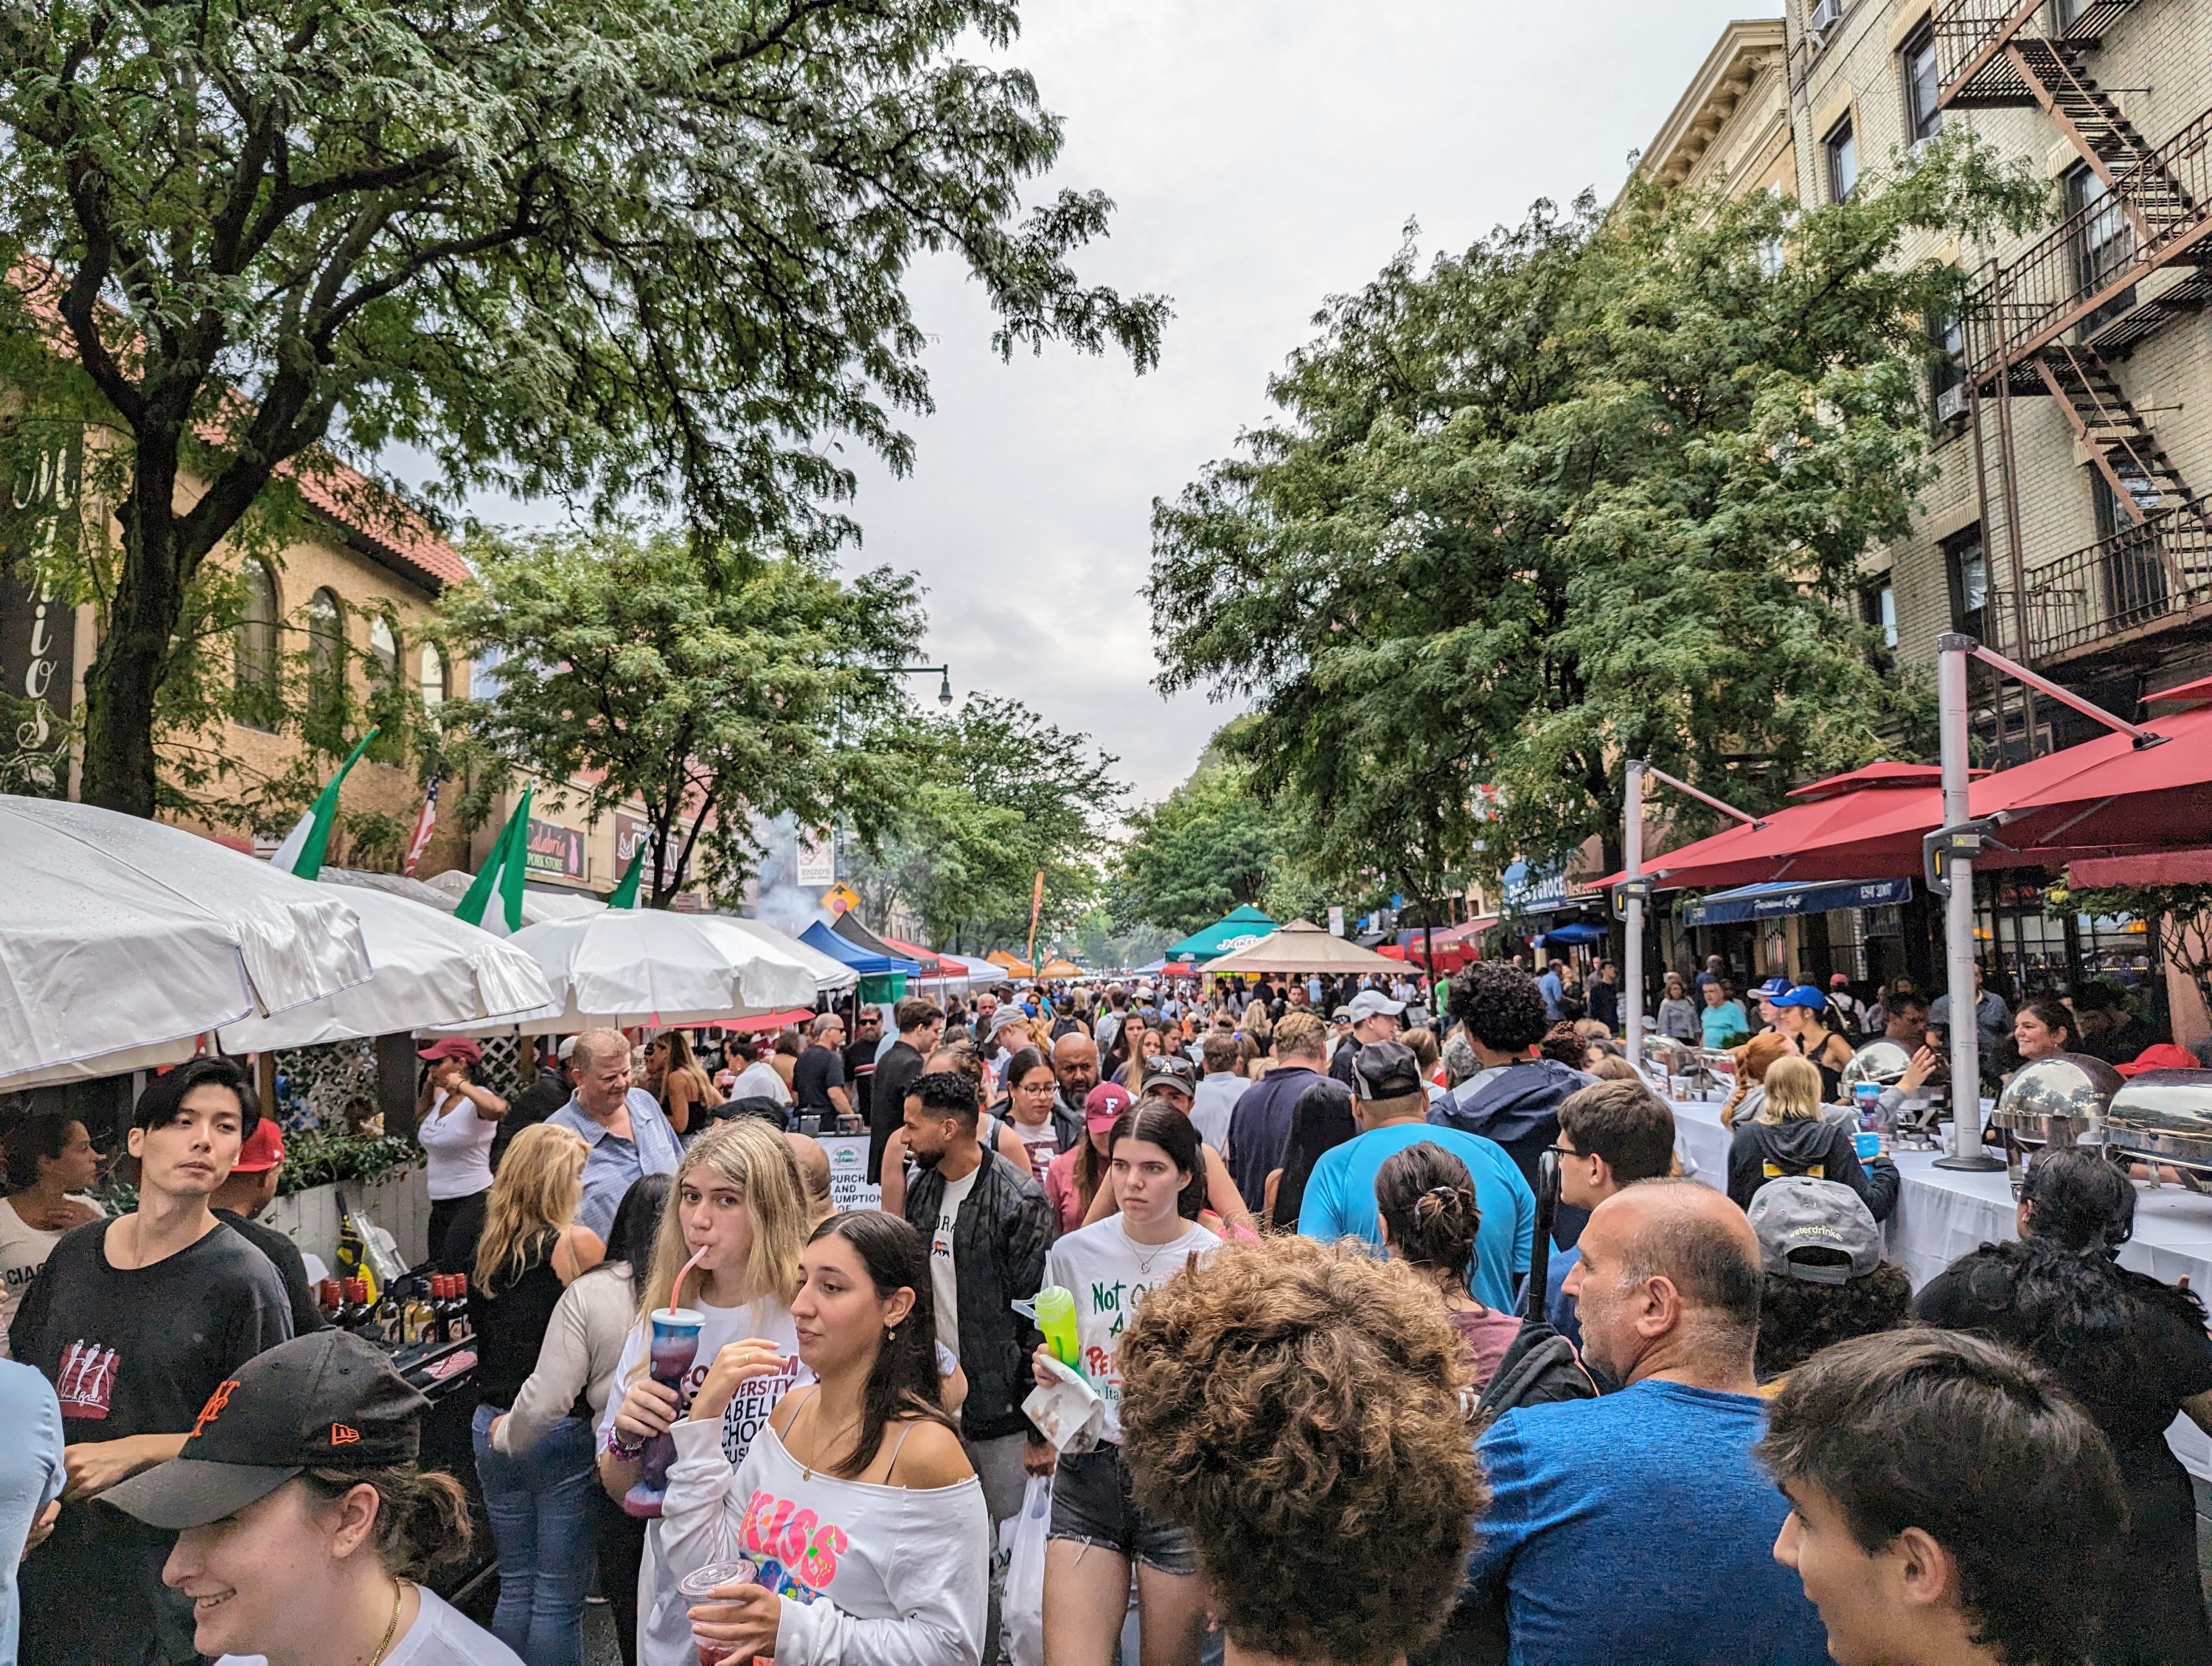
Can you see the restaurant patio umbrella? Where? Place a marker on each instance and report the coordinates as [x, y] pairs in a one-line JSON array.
[[625, 967], [2108, 793], [123, 940], [1865, 823], [1302, 946]]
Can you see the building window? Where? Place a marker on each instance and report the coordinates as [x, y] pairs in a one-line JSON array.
[[254, 648], [325, 644], [1923, 117], [1969, 571], [434, 678], [2104, 240], [1946, 375], [1842, 151], [1877, 609], [384, 646]]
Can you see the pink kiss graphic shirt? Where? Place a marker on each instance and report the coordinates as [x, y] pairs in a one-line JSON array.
[[887, 1576]]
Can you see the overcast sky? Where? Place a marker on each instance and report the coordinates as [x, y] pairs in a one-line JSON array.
[[1262, 155]]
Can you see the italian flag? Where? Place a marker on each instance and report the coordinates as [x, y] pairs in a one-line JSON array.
[[305, 846], [501, 874]]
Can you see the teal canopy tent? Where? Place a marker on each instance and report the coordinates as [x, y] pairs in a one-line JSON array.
[[1239, 928]]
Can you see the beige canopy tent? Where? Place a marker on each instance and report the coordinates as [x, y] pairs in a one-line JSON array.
[[1302, 946]]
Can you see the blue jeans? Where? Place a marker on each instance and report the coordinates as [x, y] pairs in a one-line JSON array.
[[540, 1505]]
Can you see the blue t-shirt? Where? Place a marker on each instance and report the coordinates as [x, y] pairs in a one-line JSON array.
[[1724, 1025], [30, 1476], [652, 1148], [1340, 1200], [1637, 1526]]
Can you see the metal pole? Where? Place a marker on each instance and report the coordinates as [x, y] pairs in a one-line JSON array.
[[1954, 652], [1632, 842]]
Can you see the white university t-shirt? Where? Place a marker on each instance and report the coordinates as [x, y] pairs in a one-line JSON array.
[[943, 1280], [440, 1636], [664, 1625], [1109, 1273]]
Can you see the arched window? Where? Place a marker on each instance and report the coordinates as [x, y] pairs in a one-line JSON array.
[[433, 677], [254, 648], [383, 646], [326, 647]]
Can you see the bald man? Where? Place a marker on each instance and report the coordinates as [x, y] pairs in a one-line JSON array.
[[1075, 1068], [1658, 1478], [627, 1131]]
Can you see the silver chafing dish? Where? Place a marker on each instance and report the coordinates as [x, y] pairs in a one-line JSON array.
[[1884, 1062], [2058, 1101], [2164, 1114]]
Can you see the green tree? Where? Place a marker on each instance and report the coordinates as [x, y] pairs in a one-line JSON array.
[[715, 702], [1207, 847], [635, 251], [1596, 488], [989, 796]]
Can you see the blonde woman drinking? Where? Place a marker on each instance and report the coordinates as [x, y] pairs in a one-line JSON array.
[[738, 1198], [539, 1500], [1789, 1136]]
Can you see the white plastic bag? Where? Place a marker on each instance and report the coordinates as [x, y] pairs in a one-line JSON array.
[[1069, 1414], [1022, 1537]]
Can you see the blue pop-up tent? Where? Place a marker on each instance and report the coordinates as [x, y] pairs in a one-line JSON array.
[[820, 937]]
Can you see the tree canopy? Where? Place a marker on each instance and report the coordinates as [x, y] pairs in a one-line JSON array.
[[1200, 852], [636, 251], [1596, 488], [714, 702], [988, 797]]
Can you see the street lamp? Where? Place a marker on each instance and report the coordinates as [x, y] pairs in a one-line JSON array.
[[944, 679]]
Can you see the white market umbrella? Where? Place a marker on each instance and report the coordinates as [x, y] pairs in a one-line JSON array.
[[124, 940], [537, 906], [828, 972], [625, 967], [431, 969]]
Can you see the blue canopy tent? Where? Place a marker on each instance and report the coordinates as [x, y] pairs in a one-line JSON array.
[[1574, 931], [1777, 899], [1239, 928], [882, 977]]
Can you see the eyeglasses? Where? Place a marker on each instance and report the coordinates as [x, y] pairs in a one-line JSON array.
[[1565, 1150]]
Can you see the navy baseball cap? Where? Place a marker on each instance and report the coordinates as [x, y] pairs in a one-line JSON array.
[[1774, 990]]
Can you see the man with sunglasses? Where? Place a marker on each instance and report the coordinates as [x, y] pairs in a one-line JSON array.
[[1610, 1136]]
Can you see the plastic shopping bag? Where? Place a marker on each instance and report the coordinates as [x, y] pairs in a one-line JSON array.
[[1022, 1537]]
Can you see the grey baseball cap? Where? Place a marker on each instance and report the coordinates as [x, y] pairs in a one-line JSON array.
[[1171, 1070], [1819, 1231], [1368, 1003]]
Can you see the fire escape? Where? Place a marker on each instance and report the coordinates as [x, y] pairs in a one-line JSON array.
[[2128, 255]]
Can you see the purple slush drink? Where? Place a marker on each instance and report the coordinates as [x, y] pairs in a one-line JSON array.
[[674, 1346]]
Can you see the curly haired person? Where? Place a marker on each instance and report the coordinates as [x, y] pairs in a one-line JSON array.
[[1288, 1400]]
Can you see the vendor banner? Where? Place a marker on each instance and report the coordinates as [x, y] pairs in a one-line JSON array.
[[1772, 901]]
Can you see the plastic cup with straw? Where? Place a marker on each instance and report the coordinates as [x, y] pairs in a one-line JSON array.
[[674, 1345]]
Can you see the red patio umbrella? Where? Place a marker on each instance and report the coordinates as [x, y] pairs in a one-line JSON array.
[[2109, 794], [1863, 824]]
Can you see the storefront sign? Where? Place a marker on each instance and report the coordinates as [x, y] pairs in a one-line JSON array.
[[632, 832], [555, 850], [818, 860], [38, 624]]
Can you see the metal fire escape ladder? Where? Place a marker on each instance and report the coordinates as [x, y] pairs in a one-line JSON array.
[[2143, 480]]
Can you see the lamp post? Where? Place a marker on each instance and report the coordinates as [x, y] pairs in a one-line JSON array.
[[944, 674]]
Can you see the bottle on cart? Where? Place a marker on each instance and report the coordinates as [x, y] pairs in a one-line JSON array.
[[460, 1328], [355, 1312], [330, 1297], [391, 1319], [418, 1324]]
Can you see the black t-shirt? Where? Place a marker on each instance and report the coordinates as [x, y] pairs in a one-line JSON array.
[[895, 1079], [2158, 1613], [817, 1071], [860, 1072], [534, 1105], [283, 1255], [131, 1353], [510, 1325]]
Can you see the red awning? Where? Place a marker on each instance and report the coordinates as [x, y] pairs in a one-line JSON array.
[[926, 958], [1870, 832], [2200, 689], [2108, 794], [2163, 867]]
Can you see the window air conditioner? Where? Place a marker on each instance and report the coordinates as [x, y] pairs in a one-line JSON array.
[[1951, 403], [1825, 15]]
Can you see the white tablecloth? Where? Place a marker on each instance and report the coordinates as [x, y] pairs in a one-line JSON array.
[[1942, 1213]]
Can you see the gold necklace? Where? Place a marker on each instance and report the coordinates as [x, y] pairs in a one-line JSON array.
[[399, 1595]]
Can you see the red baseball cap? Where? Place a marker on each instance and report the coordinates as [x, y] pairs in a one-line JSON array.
[[2162, 1055], [1104, 1105], [264, 1149], [452, 1047]]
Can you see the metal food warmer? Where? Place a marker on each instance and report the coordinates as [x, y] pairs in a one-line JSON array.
[[2056, 1102], [2164, 1117]]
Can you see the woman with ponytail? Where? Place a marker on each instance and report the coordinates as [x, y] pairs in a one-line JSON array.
[[859, 1511], [1425, 1198]]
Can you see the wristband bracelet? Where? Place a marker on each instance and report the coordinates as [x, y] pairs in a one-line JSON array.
[[629, 1451]]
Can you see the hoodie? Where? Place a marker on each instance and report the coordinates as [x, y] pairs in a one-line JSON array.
[[1519, 1108], [1814, 1146]]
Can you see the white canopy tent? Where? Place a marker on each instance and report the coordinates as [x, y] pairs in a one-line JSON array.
[[124, 940]]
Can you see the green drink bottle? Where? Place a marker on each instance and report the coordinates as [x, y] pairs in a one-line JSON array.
[[1055, 1316]]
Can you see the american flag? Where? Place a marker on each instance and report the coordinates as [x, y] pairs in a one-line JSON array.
[[425, 826]]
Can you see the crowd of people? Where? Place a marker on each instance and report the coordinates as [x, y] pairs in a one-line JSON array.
[[1391, 1330]]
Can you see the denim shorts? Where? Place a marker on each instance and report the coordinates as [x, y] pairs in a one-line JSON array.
[[1092, 1506]]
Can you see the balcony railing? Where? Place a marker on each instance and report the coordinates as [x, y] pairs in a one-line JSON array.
[[1971, 35], [2161, 212], [2122, 587]]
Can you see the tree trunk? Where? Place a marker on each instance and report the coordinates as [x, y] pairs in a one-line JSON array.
[[125, 673]]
